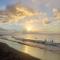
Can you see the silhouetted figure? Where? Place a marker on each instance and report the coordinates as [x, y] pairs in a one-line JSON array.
[[8, 53], [52, 41]]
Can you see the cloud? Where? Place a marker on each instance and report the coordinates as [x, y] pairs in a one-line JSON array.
[[15, 13], [27, 17], [53, 3]]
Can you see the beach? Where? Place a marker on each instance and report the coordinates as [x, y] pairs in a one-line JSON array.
[[8, 53]]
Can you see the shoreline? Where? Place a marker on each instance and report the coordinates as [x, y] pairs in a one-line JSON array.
[[8, 53]]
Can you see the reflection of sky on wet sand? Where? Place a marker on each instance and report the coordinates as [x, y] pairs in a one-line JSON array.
[[43, 54], [29, 36]]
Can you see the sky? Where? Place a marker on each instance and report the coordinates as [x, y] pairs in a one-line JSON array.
[[45, 7], [4, 3]]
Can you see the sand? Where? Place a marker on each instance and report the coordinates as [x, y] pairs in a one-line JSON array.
[[8, 53]]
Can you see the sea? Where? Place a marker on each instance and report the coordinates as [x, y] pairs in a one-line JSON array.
[[42, 54]]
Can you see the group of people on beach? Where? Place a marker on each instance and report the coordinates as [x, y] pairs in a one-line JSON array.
[[50, 41]]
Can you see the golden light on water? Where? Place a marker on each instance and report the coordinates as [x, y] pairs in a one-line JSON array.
[[30, 36], [26, 48]]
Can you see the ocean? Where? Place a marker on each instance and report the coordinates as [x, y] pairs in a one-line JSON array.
[[42, 54]]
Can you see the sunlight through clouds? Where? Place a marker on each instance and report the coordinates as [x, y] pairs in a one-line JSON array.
[[31, 18]]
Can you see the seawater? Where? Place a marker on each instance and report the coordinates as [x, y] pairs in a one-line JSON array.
[[34, 51]]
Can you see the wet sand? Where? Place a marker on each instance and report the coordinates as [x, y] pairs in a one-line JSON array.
[[8, 53]]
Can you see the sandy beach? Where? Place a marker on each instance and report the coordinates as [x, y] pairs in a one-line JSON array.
[[8, 53]]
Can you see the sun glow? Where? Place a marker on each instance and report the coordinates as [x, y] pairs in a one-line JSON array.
[[29, 28]]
